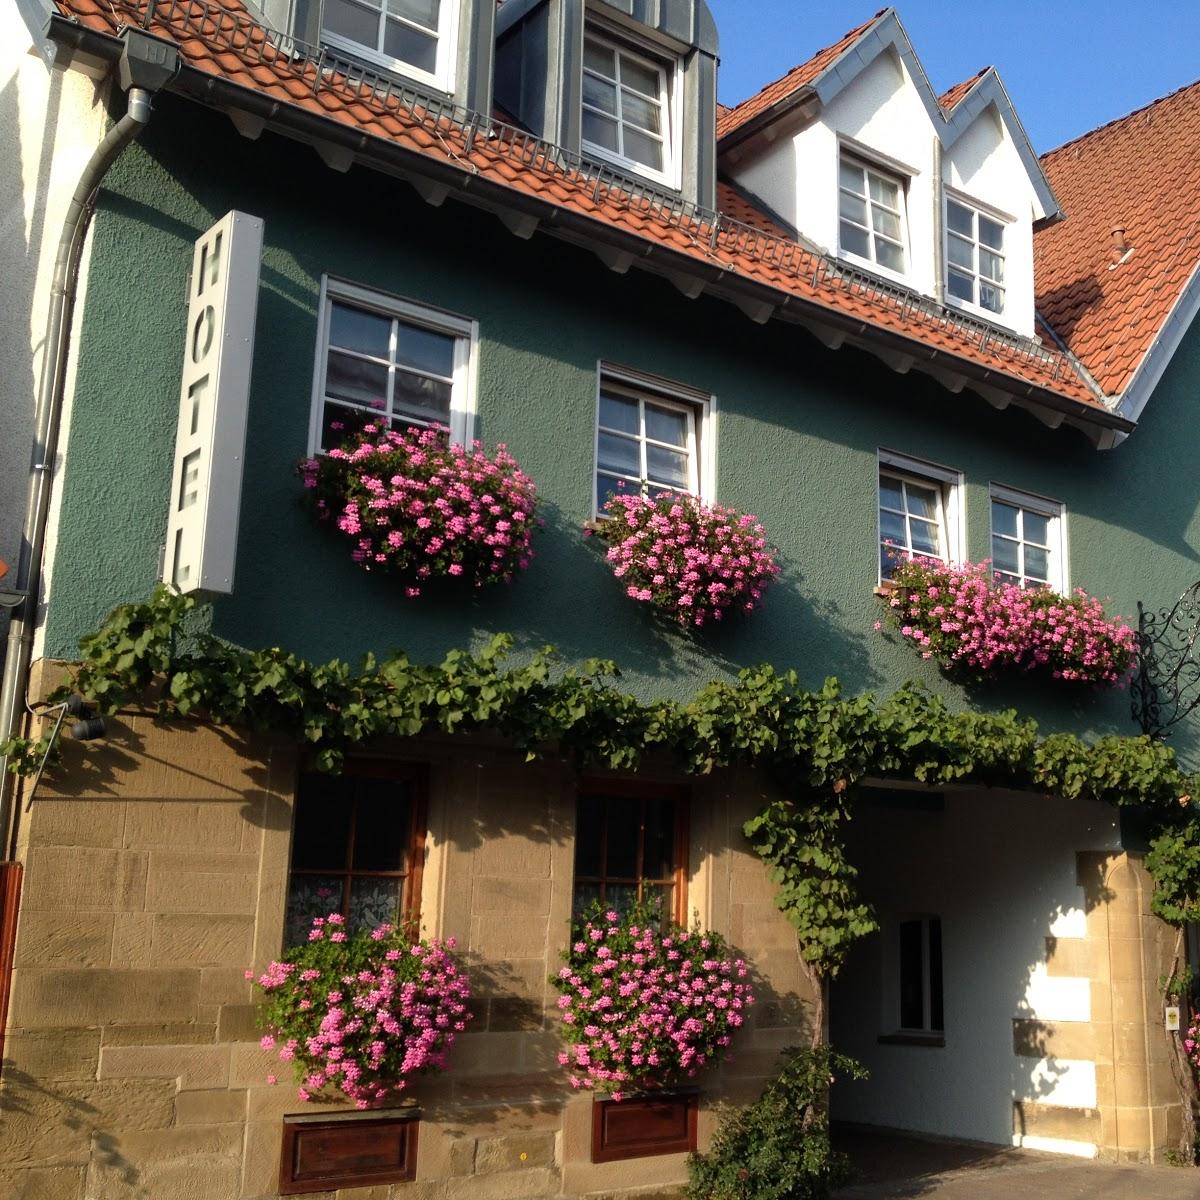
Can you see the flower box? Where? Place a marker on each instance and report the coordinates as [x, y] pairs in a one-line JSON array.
[[358, 1014], [976, 625], [323, 1152], [644, 1125], [694, 562], [645, 1003], [412, 504]]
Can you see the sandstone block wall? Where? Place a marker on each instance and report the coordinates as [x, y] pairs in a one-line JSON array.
[[156, 873]]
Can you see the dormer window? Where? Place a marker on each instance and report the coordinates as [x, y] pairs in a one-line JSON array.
[[410, 37], [974, 257], [871, 225], [627, 108]]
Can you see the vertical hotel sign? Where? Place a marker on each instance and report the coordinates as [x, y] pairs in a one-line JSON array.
[[214, 396]]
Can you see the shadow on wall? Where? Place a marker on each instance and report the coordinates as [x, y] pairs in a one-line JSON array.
[[43, 1120], [1000, 871], [21, 232], [571, 565]]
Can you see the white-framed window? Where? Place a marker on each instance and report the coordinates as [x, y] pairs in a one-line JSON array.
[[412, 37], [1028, 539], [974, 257], [380, 356], [920, 511], [651, 436], [872, 224], [629, 108], [921, 1005]]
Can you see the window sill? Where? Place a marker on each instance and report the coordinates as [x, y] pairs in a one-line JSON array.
[[936, 1041], [437, 86], [627, 168]]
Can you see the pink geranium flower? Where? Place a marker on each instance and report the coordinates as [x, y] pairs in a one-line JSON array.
[[643, 1004], [411, 503], [360, 1013], [975, 624], [693, 561]]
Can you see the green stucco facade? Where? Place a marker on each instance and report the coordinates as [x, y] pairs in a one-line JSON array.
[[797, 435]]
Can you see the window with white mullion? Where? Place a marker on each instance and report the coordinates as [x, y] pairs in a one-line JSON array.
[[411, 35], [380, 365], [974, 257], [643, 443], [626, 109], [871, 214], [1027, 542], [912, 519]]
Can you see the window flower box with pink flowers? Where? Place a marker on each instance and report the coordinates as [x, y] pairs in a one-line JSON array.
[[975, 625], [411, 503], [645, 1004], [359, 1014], [695, 563]]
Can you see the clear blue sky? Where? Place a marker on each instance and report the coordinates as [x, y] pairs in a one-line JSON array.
[[1069, 65]]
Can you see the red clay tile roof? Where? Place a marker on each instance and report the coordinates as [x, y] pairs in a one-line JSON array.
[[949, 98], [796, 78], [1142, 173], [227, 43], [736, 204]]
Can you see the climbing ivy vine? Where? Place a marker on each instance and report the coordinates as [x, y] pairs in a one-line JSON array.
[[818, 745]]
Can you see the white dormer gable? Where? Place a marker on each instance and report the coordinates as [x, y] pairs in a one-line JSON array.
[[863, 160]]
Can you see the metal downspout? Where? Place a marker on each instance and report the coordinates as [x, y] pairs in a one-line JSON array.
[[47, 419]]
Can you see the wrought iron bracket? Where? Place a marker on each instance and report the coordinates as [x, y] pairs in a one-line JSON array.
[[1166, 687]]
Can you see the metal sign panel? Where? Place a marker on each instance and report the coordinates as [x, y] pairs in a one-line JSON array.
[[214, 396]]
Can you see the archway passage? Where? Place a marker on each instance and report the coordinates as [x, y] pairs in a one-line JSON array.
[[1011, 994]]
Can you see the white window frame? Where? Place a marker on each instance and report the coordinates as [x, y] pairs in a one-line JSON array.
[[670, 73], [1005, 222], [1055, 512], [950, 486], [441, 78], [896, 175], [464, 384], [893, 998], [702, 439]]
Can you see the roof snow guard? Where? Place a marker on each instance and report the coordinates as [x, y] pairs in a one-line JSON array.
[[352, 113]]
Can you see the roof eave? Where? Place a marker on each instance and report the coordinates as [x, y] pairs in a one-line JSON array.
[[341, 143], [803, 101], [1158, 356]]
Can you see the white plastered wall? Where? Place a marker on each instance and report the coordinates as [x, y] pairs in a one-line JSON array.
[[999, 869], [983, 165], [49, 124], [881, 115]]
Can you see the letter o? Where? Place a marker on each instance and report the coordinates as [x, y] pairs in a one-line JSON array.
[[204, 328]]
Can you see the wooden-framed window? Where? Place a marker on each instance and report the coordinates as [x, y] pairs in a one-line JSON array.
[[379, 356], [358, 845], [631, 846]]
